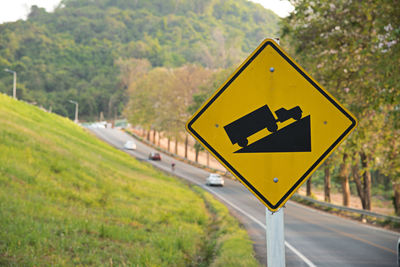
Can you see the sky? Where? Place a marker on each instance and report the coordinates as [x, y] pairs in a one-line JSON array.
[[281, 7], [12, 10]]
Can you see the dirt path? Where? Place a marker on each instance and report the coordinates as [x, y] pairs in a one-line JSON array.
[[378, 206]]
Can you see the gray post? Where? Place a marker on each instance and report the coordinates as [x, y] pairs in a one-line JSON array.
[[15, 85], [275, 233], [275, 238], [76, 113], [76, 109], [14, 82]]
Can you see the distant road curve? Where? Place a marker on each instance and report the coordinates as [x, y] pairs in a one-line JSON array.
[[313, 238]]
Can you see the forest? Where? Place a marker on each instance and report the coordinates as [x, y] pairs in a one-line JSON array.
[[156, 62], [78, 51]]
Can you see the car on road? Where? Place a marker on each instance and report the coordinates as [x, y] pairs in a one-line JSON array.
[[215, 179], [398, 252], [130, 145], [154, 156]]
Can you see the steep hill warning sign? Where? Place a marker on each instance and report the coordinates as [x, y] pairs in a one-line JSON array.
[[271, 124]]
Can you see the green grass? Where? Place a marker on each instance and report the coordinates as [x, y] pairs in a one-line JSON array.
[[67, 199]]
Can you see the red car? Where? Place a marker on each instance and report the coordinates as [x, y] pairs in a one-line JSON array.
[[154, 156]]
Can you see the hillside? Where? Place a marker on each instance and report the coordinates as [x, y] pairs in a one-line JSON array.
[[68, 199], [76, 51]]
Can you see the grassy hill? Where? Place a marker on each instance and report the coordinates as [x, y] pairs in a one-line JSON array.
[[68, 199]]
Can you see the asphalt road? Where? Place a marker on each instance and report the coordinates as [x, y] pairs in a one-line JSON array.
[[312, 238]]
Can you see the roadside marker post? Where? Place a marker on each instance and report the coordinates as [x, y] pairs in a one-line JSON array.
[[271, 125]]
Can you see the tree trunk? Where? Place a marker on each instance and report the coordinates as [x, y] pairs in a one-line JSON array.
[[110, 109], [357, 180], [367, 190], [186, 146], [208, 159], [169, 143], [396, 200], [309, 187], [148, 135], [159, 137], [176, 146], [367, 180], [197, 155], [344, 178], [346, 191], [327, 182], [154, 136]]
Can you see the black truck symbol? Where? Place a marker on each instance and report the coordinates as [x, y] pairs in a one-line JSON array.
[[255, 121]]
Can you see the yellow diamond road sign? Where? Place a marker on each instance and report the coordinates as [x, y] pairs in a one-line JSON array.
[[271, 124]]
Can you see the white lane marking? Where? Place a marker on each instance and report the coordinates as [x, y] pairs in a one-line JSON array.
[[301, 256]]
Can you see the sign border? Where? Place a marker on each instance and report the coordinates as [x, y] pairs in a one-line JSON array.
[[313, 167]]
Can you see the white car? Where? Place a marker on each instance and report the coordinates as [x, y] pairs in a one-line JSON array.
[[130, 145], [398, 252], [215, 179]]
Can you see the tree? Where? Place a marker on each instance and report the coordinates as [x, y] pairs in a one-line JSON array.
[[389, 160], [388, 26], [197, 149], [343, 43], [132, 69], [204, 91], [146, 106], [178, 96]]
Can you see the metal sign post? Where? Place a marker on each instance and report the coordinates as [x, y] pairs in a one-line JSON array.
[[275, 232], [275, 238]]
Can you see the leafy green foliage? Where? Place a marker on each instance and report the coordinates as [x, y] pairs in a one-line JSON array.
[[73, 52], [159, 99], [352, 48]]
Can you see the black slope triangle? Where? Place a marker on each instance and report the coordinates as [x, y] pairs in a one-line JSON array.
[[295, 137]]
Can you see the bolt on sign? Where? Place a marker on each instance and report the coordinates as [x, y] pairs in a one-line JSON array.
[[271, 124]]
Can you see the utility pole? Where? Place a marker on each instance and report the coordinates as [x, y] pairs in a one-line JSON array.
[[14, 82], [76, 110]]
